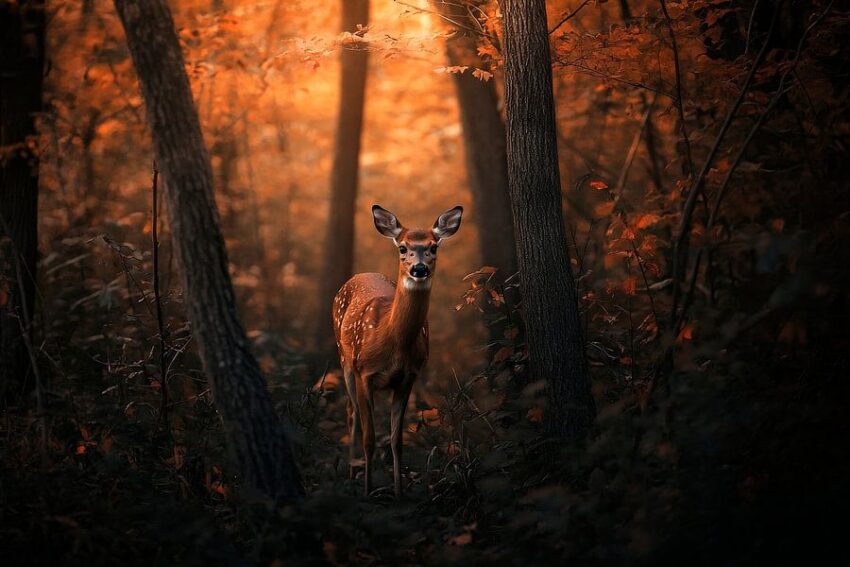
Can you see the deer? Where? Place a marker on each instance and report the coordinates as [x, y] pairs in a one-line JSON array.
[[381, 331]]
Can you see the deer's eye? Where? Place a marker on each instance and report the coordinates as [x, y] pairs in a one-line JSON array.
[[433, 249], [402, 249]]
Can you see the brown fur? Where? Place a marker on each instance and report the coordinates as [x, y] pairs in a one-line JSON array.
[[382, 335]]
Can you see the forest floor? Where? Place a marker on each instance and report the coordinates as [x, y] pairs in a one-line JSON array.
[[109, 485]]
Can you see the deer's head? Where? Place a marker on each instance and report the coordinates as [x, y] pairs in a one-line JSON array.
[[417, 247]]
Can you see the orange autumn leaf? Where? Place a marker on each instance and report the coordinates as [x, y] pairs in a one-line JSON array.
[[647, 220], [489, 50], [497, 297], [430, 416], [462, 539], [630, 285], [453, 69], [604, 209], [535, 415], [687, 333], [482, 75], [614, 258], [503, 354]]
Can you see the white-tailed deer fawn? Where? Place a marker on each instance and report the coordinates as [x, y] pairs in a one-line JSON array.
[[381, 331]]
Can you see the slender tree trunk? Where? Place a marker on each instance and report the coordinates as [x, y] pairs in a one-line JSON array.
[[555, 342], [21, 71], [485, 146], [339, 236], [256, 436], [625, 12], [650, 134], [486, 153]]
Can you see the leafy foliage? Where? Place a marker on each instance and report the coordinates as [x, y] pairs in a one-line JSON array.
[[721, 390]]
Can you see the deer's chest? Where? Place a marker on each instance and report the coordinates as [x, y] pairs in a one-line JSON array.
[[390, 366]]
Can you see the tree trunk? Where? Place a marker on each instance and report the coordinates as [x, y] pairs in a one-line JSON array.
[[555, 342], [256, 436], [339, 236], [486, 150], [21, 71], [625, 12], [486, 154]]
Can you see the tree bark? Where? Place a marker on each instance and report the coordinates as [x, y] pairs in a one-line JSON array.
[[255, 435], [21, 71], [339, 236], [555, 342]]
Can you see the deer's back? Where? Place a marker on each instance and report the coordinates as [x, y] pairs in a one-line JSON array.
[[356, 307]]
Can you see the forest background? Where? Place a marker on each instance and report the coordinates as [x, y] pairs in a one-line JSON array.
[[718, 127]]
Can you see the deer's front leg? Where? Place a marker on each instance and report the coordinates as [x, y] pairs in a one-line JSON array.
[[365, 406], [399, 404]]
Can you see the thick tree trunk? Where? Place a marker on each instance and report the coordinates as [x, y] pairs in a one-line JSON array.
[[21, 72], [255, 434], [555, 342], [339, 236]]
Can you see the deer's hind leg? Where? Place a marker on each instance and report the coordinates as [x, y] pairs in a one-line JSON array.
[[353, 418], [399, 403], [365, 404]]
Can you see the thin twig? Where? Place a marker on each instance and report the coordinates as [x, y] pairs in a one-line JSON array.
[[781, 90], [448, 19], [617, 192], [604, 75], [160, 323], [750, 27], [630, 157], [25, 325], [778, 94], [678, 101], [680, 246], [649, 293], [472, 403], [569, 16], [629, 295]]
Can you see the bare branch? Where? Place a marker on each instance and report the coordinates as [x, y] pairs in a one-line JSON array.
[[678, 99], [569, 16], [680, 247], [604, 75]]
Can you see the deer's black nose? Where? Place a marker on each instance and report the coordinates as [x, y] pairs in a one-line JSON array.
[[420, 271]]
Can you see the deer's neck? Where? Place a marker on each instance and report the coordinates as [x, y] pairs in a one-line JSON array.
[[408, 314]]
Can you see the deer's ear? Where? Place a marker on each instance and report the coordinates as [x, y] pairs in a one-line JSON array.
[[386, 222], [448, 223]]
